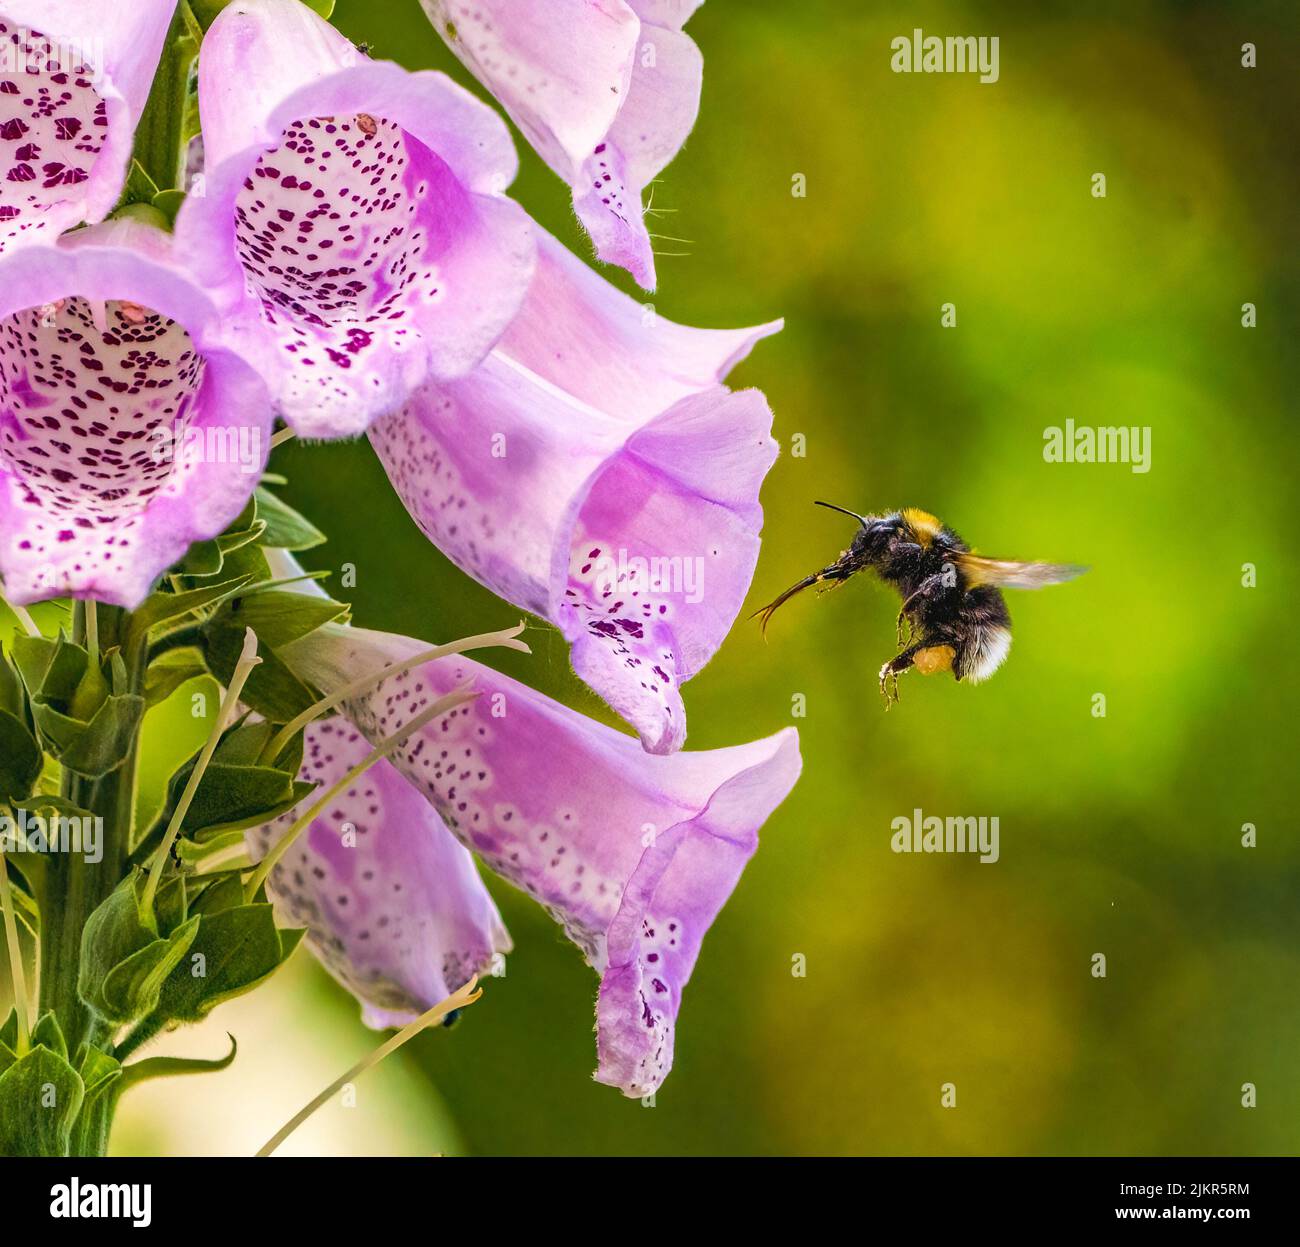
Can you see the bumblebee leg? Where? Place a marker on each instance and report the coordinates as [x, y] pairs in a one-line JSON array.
[[893, 669]]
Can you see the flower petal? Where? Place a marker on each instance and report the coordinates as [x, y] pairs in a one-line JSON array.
[[355, 211], [393, 905], [560, 68], [73, 82], [587, 337], [614, 491], [605, 92], [662, 103], [126, 430], [633, 854]]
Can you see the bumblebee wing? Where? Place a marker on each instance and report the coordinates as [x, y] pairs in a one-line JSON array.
[[1010, 574]]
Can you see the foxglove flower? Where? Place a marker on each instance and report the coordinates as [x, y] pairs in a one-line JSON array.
[[605, 90], [634, 855], [354, 210], [127, 430], [393, 905], [594, 471], [74, 78]]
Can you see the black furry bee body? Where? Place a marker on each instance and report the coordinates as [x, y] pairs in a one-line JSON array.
[[952, 599]]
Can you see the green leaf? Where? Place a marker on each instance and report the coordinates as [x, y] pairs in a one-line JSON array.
[[169, 1066], [40, 1096], [124, 961], [235, 950], [21, 759], [285, 528]]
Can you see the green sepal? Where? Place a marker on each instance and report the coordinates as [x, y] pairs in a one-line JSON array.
[[218, 849], [100, 1075], [169, 1066], [13, 696], [169, 203], [240, 947], [158, 608], [86, 720], [208, 558], [93, 749], [207, 11], [48, 1032], [40, 1096], [32, 656], [124, 958], [234, 792], [8, 1041], [285, 528], [140, 188], [170, 670], [52, 668], [277, 618], [21, 759]]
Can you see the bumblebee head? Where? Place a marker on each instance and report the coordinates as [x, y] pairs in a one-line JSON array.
[[872, 546], [873, 541]]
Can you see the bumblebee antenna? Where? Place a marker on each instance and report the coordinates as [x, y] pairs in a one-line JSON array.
[[843, 511]]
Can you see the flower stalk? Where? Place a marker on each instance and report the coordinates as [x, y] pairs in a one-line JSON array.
[[465, 995], [503, 639], [248, 659]]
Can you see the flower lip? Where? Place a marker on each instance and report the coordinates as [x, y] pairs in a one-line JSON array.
[[112, 372], [354, 209]]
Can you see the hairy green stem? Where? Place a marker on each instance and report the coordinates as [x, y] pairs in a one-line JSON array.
[[75, 887]]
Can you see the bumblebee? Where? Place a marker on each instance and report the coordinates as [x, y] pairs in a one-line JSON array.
[[952, 601]]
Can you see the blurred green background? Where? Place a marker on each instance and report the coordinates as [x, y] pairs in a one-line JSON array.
[[1119, 835]]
